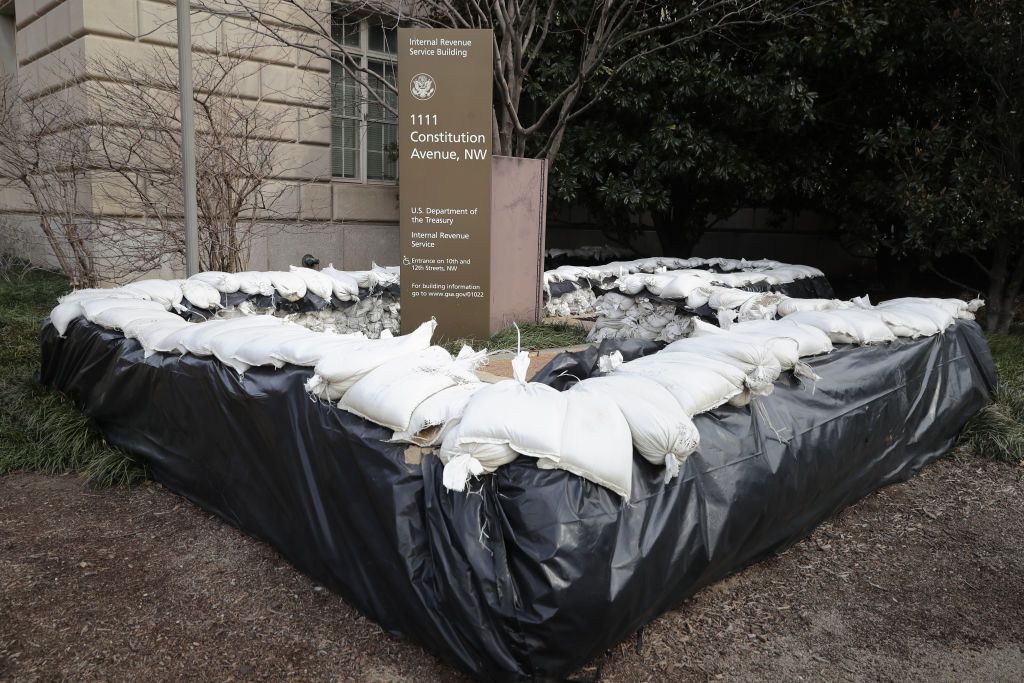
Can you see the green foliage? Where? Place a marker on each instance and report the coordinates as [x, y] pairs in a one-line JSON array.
[[998, 431], [689, 131], [940, 171], [40, 430], [530, 336], [902, 122]]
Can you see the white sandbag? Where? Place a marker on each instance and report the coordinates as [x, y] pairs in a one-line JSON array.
[[761, 306], [963, 310], [662, 433], [613, 302], [632, 284], [789, 306], [167, 342], [683, 284], [941, 313], [152, 334], [737, 280], [477, 458], [791, 273], [567, 274], [868, 325], [436, 415], [118, 317], [698, 384], [386, 275], [579, 433], [907, 321], [647, 265], [595, 444], [375, 278], [132, 329], [316, 282], [336, 372], [346, 287], [758, 361], [839, 330], [698, 297], [307, 351], [391, 392], [166, 292], [200, 294], [675, 329], [527, 416], [80, 295], [255, 283], [656, 282], [62, 315], [364, 278], [93, 308], [225, 283], [728, 298], [723, 264], [760, 264], [289, 286], [225, 345], [258, 349], [811, 341], [199, 338]]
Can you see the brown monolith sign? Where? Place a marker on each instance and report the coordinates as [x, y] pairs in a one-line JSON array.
[[444, 132]]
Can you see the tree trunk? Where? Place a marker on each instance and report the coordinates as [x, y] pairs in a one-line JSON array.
[[1008, 306], [996, 288], [681, 227], [675, 240]]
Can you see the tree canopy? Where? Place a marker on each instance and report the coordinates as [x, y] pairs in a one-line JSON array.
[[902, 122]]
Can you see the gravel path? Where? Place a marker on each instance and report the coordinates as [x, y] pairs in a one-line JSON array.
[[923, 581]]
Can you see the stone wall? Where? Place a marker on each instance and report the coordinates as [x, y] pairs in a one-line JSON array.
[[347, 222]]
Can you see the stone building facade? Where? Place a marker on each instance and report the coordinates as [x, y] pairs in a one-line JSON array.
[[338, 187]]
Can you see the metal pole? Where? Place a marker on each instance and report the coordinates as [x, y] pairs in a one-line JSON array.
[[188, 131]]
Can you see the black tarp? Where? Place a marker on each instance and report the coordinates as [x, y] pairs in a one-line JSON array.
[[536, 571]]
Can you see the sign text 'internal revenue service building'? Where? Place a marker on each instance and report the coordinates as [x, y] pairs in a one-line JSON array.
[[444, 89]]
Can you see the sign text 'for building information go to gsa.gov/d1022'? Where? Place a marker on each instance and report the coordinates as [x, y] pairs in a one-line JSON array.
[[444, 132]]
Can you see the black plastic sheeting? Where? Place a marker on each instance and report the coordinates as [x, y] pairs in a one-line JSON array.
[[569, 367], [536, 571]]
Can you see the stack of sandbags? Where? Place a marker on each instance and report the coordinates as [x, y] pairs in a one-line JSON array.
[[574, 303], [789, 341], [335, 373], [568, 291], [624, 317], [391, 393], [858, 322], [662, 433], [371, 316], [692, 289], [579, 432], [568, 288], [341, 302]]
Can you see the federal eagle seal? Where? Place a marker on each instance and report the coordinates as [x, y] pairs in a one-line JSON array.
[[422, 86]]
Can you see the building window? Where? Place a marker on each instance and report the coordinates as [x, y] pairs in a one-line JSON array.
[[364, 131]]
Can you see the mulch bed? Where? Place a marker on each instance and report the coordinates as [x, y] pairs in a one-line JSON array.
[[922, 580]]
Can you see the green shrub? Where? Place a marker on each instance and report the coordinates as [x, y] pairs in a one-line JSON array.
[[41, 430], [997, 432]]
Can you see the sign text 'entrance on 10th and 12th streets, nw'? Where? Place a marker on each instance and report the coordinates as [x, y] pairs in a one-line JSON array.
[[444, 109]]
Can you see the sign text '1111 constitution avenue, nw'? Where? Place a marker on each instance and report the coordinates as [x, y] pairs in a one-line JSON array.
[[444, 132]]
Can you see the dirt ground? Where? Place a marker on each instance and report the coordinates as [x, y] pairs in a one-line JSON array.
[[500, 367], [922, 581]]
